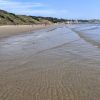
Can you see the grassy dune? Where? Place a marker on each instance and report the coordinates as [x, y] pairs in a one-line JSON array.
[[7, 18]]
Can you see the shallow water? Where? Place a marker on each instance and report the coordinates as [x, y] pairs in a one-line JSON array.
[[91, 32]]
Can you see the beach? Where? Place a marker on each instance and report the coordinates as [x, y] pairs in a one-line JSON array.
[[10, 30], [56, 63]]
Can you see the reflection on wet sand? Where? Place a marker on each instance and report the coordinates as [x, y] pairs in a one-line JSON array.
[[89, 34], [50, 64]]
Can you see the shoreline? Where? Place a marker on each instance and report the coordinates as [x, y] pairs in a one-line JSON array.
[[51, 64], [11, 30]]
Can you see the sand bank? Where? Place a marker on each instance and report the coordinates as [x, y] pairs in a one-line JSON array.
[[9, 30]]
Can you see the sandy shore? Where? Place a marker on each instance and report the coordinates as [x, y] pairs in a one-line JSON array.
[[52, 64], [9, 30]]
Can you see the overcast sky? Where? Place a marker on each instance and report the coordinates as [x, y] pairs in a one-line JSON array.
[[81, 9]]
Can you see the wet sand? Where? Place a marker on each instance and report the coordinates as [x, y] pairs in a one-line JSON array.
[[10, 30], [49, 64]]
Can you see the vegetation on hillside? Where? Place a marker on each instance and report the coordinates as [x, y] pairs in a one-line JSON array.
[[7, 18]]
